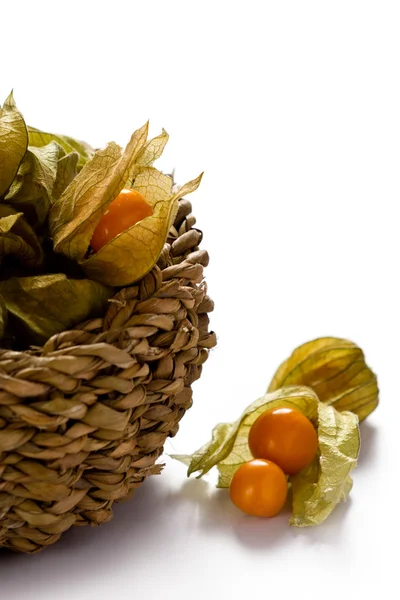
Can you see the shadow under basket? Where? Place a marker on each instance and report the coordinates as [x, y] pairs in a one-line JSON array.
[[84, 419]]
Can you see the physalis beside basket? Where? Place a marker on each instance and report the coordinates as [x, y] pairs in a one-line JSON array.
[[103, 324], [304, 433]]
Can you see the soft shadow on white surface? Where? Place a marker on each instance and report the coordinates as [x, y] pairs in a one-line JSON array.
[[84, 552], [170, 524], [160, 517], [216, 514]]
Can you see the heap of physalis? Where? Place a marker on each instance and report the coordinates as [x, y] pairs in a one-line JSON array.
[[75, 223], [303, 435]]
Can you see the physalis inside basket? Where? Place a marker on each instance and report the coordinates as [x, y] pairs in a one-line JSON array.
[[55, 194]]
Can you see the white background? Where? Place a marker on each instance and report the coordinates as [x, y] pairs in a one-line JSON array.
[[292, 109]]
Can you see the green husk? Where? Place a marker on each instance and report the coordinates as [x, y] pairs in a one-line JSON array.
[[145, 240], [75, 215], [32, 189], [318, 488], [336, 370], [13, 142], [41, 138], [53, 192], [17, 238], [67, 170], [49, 304]]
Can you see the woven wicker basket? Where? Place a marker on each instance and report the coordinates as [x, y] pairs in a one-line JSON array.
[[84, 419]]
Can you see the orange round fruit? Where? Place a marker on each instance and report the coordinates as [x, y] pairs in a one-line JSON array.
[[284, 436], [259, 488], [128, 208]]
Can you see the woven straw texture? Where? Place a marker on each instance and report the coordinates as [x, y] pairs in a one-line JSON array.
[[84, 418]]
